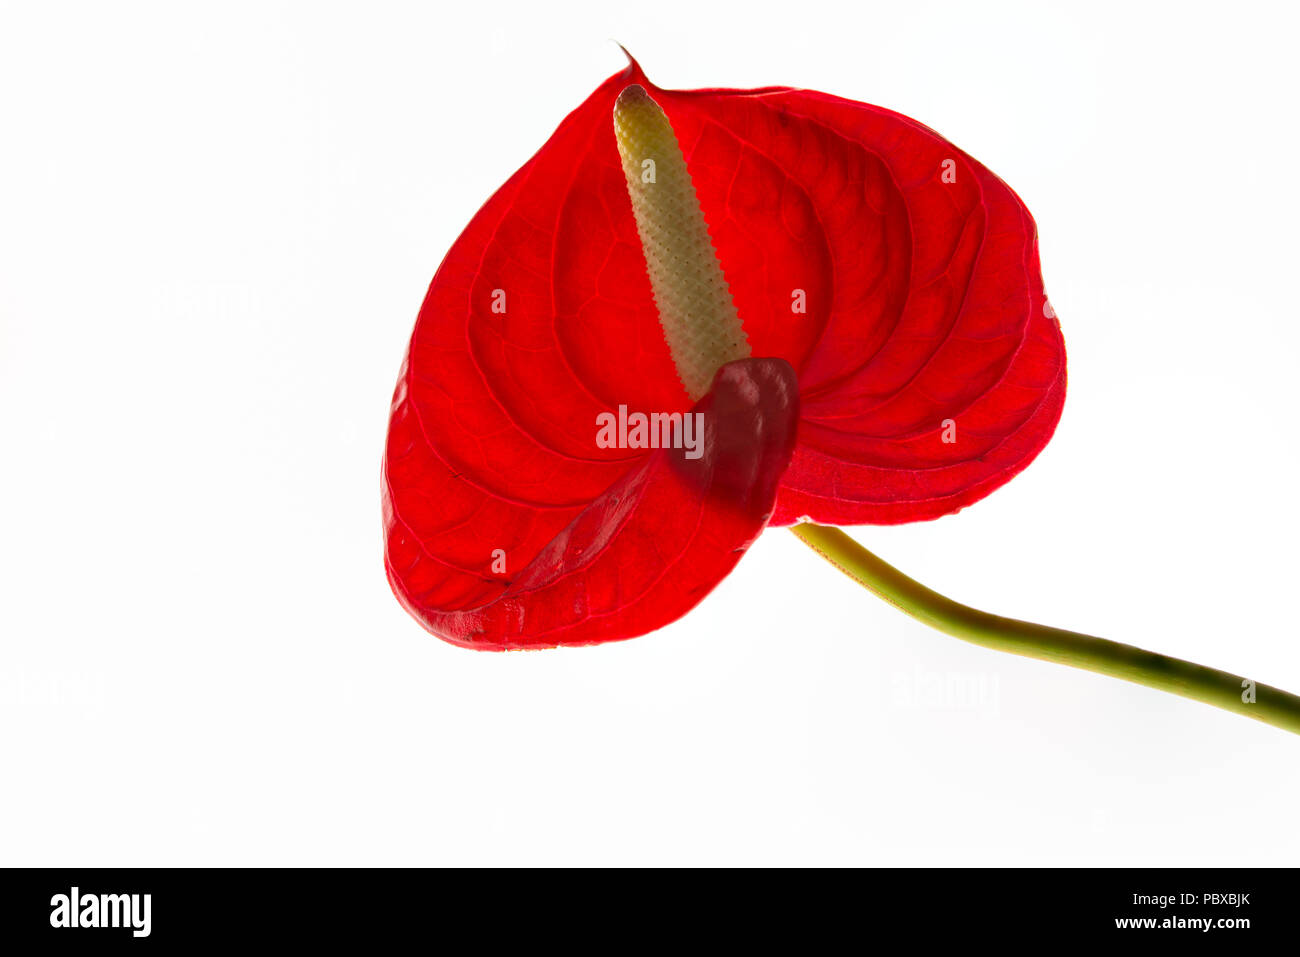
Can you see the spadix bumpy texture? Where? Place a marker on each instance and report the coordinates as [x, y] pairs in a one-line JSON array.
[[696, 311]]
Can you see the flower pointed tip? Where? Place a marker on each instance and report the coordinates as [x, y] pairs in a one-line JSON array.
[[633, 69]]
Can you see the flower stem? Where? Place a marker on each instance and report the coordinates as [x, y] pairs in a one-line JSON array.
[[1229, 692]]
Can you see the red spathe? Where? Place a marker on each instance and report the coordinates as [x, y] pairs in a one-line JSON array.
[[896, 276]]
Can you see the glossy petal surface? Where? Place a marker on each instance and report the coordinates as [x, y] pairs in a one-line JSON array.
[[894, 273]]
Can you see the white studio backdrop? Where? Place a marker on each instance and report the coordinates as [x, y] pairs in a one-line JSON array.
[[216, 227]]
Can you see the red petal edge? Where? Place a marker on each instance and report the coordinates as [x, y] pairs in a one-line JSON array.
[[647, 550]]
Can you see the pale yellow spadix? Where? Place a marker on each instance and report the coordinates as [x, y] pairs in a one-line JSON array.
[[696, 312]]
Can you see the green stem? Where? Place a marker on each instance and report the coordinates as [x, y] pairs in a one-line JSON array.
[[1270, 705]]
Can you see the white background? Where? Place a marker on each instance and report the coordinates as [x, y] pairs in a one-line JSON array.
[[216, 229]]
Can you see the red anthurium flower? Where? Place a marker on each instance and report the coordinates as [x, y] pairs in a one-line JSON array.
[[905, 365]]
